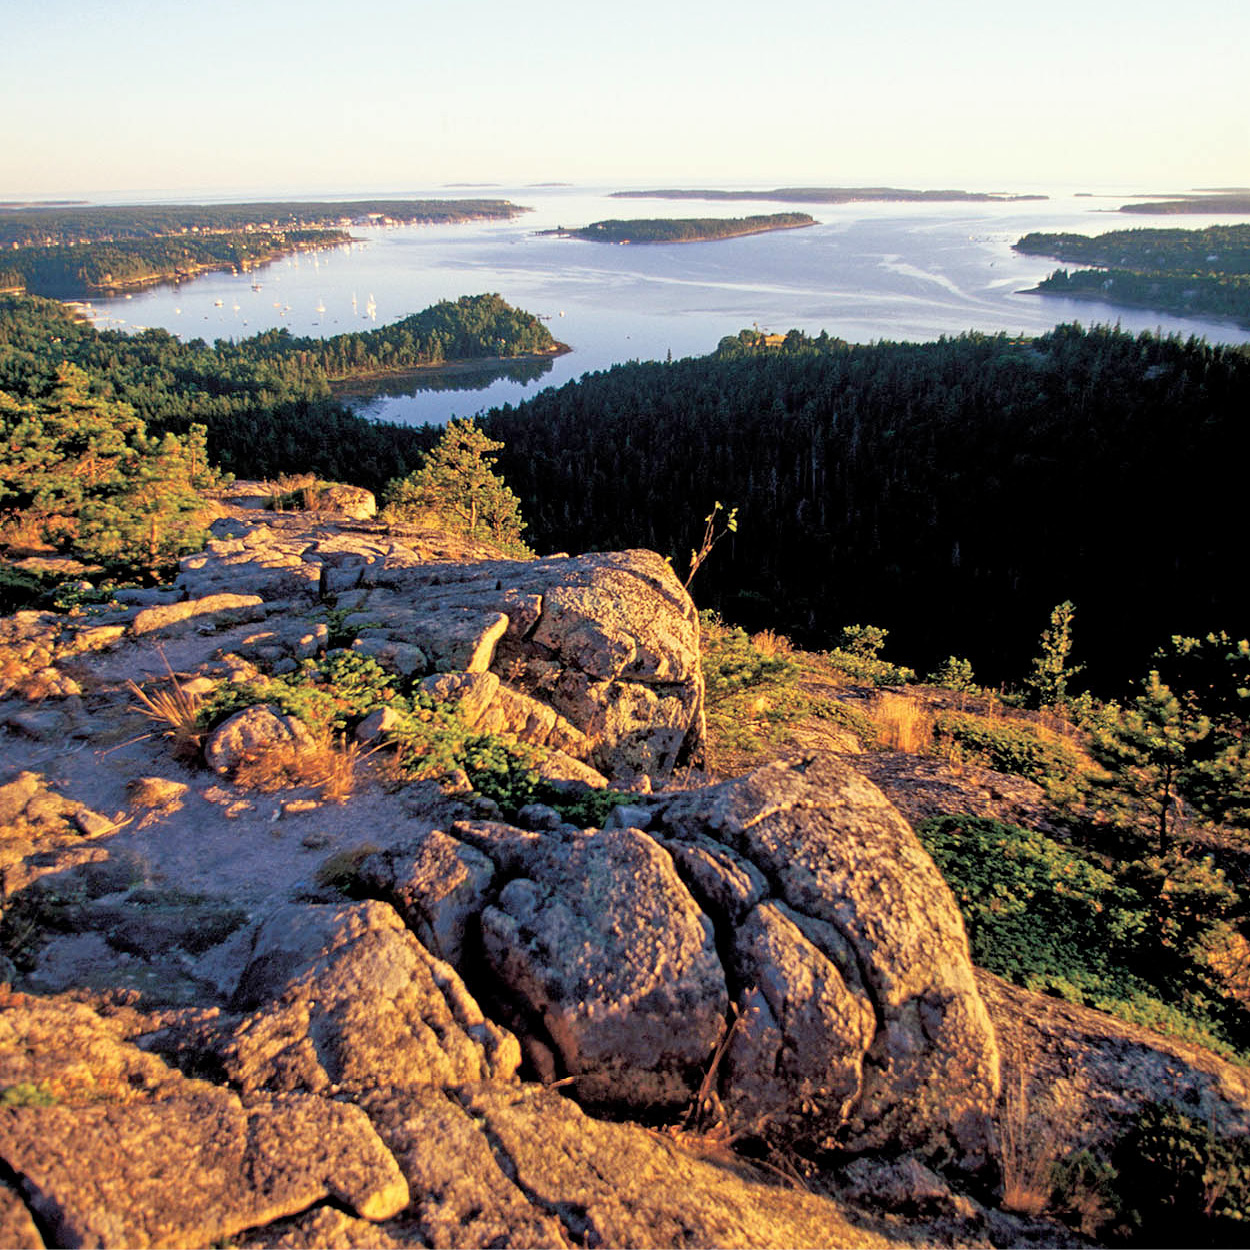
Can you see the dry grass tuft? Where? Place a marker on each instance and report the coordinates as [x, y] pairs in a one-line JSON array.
[[328, 764], [1029, 1153], [905, 724], [339, 770], [175, 710], [770, 644], [1036, 1137]]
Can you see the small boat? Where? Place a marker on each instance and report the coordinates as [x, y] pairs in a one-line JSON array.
[[321, 306], [216, 303]]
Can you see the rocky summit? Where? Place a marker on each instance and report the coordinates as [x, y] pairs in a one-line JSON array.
[[252, 1005]]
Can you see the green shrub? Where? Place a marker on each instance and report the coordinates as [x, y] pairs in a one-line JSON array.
[[20, 590], [28, 1094], [1020, 748], [1048, 917], [858, 656], [1036, 911], [1178, 1184], [869, 671], [732, 663], [332, 693], [954, 674]]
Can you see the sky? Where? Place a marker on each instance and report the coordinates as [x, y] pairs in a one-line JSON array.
[[291, 96]]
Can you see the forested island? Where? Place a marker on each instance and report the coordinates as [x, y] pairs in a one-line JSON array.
[[47, 227], [72, 252], [1185, 272], [683, 229], [827, 195]]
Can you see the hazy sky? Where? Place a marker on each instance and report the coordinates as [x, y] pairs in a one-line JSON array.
[[290, 95]]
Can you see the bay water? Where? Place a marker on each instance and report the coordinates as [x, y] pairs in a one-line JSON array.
[[865, 272]]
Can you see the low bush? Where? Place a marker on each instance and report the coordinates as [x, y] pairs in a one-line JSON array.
[[1020, 748], [868, 670], [954, 674], [1053, 919], [858, 655], [1178, 1184], [756, 691]]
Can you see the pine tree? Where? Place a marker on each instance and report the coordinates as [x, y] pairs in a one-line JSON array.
[[156, 511], [1051, 670], [1150, 749], [458, 485]]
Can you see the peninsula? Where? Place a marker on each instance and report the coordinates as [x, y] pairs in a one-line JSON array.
[[1185, 272], [682, 229], [1232, 200], [67, 252], [826, 195]]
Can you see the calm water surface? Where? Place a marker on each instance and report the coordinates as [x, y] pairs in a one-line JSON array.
[[865, 272]]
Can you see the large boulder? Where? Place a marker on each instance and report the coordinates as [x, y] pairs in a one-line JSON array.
[[785, 932], [251, 733], [864, 935], [343, 999], [607, 952], [598, 655]]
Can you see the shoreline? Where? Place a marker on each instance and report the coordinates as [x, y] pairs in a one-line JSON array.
[[1095, 297], [358, 384]]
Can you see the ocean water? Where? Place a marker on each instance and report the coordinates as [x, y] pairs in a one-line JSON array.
[[864, 272]]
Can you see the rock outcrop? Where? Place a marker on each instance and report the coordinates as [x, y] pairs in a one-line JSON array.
[[593, 656], [796, 894], [254, 1017], [111, 1147]]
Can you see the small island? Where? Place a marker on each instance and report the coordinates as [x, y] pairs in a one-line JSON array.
[[828, 195], [682, 229], [1185, 272]]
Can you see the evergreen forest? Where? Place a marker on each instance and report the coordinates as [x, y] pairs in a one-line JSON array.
[[951, 492]]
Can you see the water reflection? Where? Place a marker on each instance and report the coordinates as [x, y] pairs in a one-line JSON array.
[[469, 377]]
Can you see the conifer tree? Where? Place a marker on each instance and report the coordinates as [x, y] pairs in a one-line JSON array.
[[458, 485], [1051, 670]]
